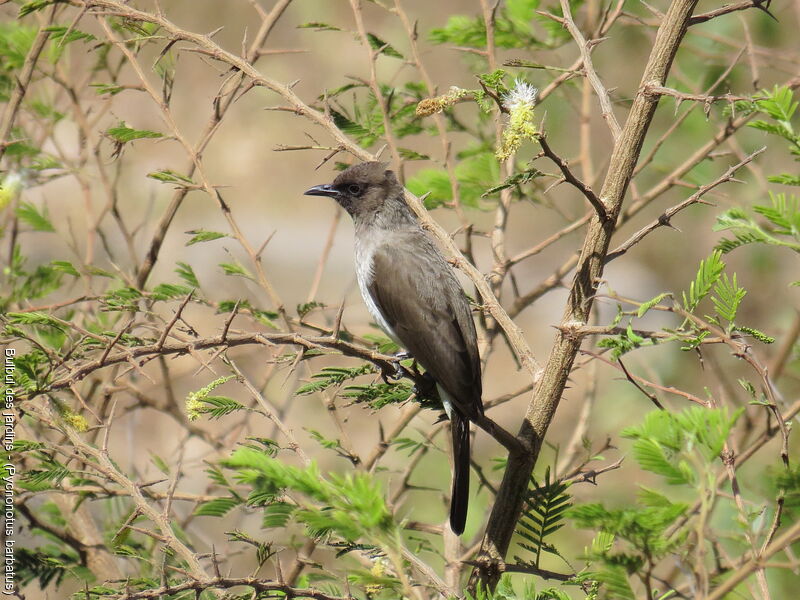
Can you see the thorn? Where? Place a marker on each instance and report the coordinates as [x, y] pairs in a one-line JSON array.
[[215, 32]]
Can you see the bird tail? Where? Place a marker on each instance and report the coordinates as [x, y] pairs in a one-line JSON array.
[[459, 497]]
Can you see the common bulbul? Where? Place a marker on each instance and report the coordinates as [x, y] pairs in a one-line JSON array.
[[414, 296]]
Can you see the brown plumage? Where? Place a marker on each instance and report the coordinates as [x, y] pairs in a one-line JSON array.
[[413, 294]]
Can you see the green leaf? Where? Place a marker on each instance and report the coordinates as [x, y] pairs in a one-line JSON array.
[[773, 128], [666, 443], [169, 176], [29, 214], [105, 88], [784, 179], [20, 446], [263, 316], [383, 47], [350, 506], [65, 267], [349, 126], [409, 154], [521, 12], [545, 506], [474, 174], [624, 342], [123, 134], [759, 335], [50, 473], [615, 580], [786, 481], [277, 515], [728, 297], [408, 445], [378, 395], [382, 343], [331, 376], [646, 306], [306, 307], [643, 527], [16, 40], [33, 6], [461, 30], [160, 463], [201, 402], [168, 291], [318, 26], [726, 245], [218, 507], [435, 183], [122, 299], [201, 235], [185, 272], [515, 180], [707, 275], [219, 406], [783, 215], [235, 269], [654, 457], [34, 318], [63, 35], [778, 103], [652, 498], [92, 270]]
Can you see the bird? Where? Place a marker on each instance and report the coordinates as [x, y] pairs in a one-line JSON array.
[[413, 294]]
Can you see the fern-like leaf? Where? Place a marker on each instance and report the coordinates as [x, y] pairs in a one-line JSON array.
[[218, 507], [646, 306], [707, 275], [543, 514], [728, 296]]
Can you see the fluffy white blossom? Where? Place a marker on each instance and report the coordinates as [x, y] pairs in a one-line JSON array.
[[520, 102], [521, 97], [10, 187]]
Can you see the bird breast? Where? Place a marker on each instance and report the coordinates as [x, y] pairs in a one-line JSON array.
[[365, 250]]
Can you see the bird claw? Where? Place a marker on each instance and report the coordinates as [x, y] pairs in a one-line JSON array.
[[399, 372]]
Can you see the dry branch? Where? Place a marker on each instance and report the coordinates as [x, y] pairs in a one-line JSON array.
[[550, 388]]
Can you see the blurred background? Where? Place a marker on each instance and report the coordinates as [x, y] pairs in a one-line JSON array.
[[95, 183]]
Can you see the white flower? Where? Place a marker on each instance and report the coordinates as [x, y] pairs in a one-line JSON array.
[[523, 95], [10, 187], [520, 127]]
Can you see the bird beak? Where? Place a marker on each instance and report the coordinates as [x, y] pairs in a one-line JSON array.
[[322, 190]]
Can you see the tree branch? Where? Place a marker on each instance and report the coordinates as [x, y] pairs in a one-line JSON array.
[[550, 388], [570, 178]]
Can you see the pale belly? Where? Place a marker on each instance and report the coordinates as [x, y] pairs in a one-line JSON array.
[[364, 276]]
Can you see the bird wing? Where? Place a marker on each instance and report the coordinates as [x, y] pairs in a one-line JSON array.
[[419, 296]]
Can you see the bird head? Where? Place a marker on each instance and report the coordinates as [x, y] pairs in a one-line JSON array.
[[362, 189]]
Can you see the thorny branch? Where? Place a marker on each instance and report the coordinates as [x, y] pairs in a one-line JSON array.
[[104, 369], [550, 387]]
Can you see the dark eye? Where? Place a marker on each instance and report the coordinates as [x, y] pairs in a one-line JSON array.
[[354, 189]]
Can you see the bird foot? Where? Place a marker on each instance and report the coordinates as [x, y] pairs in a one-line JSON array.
[[395, 375], [399, 370]]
